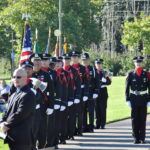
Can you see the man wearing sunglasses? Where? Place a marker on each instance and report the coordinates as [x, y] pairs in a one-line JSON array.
[[17, 119], [47, 103]]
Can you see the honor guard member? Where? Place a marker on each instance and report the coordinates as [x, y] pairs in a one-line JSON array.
[[61, 123], [93, 85], [47, 103], [74, 93], [46, 60], [54, 118], [84, 86], [137, 86], [101, 102], [28, 66], [52, 63]]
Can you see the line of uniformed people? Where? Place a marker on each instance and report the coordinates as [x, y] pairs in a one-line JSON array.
[[73, 92]]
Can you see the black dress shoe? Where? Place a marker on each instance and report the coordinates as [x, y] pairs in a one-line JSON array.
[[102, 127], [56, 147], [92, 131], [71, 138], [63, 142], [86, 130], [80, 134], [136, 141], [97, 127], [143, 142]]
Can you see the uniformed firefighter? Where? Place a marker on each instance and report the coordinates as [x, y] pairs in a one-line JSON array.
[[54, 119], [74, 93], [28, 66], [138, 98], [47, 103], [101, 101], [63, 118], [93, 85], [75, 56]]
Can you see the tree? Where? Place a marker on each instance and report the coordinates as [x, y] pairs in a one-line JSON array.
[[137, 31], [79, 25]]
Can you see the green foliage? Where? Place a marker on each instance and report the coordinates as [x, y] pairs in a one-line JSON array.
[[5, 68], [136, 31], [79, 25]]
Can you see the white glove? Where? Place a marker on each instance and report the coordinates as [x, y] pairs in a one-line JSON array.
[[129, 103], [76, 101], [70, 103], [62, 108], [49, 111], [85, 98], [34, 91], [95, 96], [148, 104], [104, 80], [56, 107], [4, 91]]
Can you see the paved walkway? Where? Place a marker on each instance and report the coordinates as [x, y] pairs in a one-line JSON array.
[[116, 136]]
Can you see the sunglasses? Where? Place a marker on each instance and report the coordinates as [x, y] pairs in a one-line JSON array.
[[17, 77]]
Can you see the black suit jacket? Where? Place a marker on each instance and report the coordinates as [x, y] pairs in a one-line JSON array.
[[19, 116]]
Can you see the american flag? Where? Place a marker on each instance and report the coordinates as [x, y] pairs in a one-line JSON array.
[[27, 47]]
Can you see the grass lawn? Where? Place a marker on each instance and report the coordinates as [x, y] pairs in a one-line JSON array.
[[3, 146], [117, 108]]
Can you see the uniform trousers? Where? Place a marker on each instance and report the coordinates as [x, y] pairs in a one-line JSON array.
[[138, 116], [101, 106]]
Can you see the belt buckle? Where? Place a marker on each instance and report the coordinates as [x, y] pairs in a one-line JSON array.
[[136, 92]]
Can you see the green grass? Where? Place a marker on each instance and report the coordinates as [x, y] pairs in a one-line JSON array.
[[117, 108], [3, 146], [5, 76]]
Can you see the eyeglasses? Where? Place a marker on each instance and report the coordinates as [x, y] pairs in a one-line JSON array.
[[17, 77]]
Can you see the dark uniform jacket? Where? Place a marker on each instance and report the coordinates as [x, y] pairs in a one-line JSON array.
[[19, 115], [48, 101], [136, 83], [93, 81], [103, 85], [63, 80], [84, 81], [74, 84], [57, 85]]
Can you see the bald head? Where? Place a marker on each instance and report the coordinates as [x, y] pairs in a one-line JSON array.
[[19, 78]]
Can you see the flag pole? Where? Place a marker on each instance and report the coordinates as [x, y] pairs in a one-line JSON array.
[[36, 46], [49, 38], [36, 33], [60, 27]]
